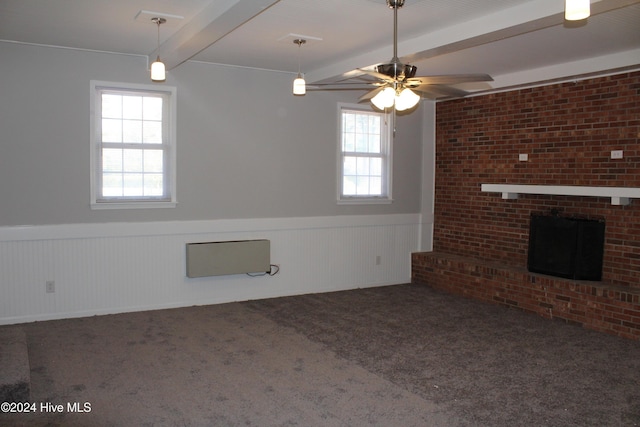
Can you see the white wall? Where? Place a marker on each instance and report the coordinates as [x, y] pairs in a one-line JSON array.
[[253, 161]]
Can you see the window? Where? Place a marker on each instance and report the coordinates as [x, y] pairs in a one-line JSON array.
[[132, 146], [365, 156]]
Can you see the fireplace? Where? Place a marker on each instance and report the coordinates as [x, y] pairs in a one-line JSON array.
[[566, 247]]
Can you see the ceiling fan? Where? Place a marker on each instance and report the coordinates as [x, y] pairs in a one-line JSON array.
[[396, 84]]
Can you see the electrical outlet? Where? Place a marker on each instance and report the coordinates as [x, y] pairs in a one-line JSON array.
[[523, 157], [378, 259], [50, 286], [617, 154]]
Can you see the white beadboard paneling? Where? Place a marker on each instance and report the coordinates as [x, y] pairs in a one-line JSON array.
[[112, 268]]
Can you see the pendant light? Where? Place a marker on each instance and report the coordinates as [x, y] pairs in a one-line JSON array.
[[157, 68], [299, 85], [575, 10]]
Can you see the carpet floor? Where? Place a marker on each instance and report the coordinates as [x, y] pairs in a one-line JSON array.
[[404, 355]]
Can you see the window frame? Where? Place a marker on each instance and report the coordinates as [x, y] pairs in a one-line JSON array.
[[386, 150], [168, 146]]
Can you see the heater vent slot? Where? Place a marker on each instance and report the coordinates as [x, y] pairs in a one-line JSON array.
[[225, 258]]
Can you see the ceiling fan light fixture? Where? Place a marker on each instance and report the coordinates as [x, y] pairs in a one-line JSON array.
[[406, 99], [384, 99], [158, 72], [575, 10]]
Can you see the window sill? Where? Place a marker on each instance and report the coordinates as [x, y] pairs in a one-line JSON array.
[[364, 201], [131, 205]]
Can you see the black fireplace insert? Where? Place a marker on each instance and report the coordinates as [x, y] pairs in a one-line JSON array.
[[566, 247]]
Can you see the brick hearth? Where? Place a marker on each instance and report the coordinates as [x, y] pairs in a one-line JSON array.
[[611, 309]]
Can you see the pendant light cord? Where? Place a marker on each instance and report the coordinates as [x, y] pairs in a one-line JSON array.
[[299, 42], [158, 21]]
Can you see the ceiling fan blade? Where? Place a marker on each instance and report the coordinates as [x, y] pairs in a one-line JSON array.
[[427, 94], [347, 84], [353, 74], [376, 75], [449, 79], [343, 85], [339, 86], [367, 96], [440, 91], [353, 85]]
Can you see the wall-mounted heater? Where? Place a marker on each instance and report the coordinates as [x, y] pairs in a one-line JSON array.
[[224, 258]]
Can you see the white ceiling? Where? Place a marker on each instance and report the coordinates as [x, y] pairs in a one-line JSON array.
[[518, 42]]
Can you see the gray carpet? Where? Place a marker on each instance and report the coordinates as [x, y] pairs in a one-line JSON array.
[[402, 355]]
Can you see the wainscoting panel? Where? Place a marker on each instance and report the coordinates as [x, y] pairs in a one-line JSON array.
[[111, 268]]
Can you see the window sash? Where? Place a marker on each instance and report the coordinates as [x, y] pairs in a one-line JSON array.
[[125, 170]]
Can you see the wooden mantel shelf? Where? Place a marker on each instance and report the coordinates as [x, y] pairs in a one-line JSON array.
[[618, 195]]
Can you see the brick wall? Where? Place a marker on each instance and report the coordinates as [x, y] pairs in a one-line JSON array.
[[568, 131]]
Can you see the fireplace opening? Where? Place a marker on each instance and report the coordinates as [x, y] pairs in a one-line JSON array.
[[566, 247]]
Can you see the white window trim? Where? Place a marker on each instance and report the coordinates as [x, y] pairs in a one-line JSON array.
[[365, 200], [94, 140]]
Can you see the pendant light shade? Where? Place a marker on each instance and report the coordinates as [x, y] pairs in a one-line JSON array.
[[299, 85], [575, 10], [158, 73]]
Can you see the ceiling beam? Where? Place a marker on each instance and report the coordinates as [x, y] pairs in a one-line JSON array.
[[510, 22], [613, 63], [549, 19], [214, 22]]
